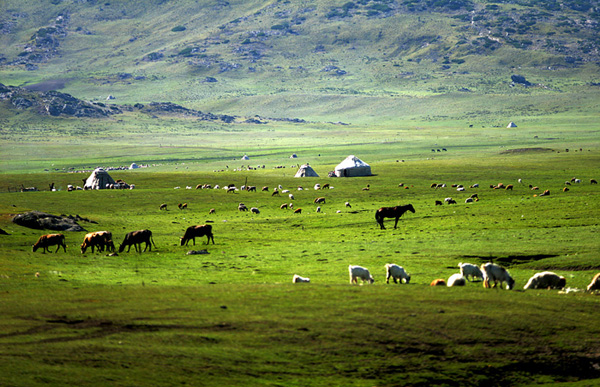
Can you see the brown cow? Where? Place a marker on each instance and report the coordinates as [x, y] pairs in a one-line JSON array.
[[438, 282], [48, 240], [99, 239], [136, 238], [320, 200], [197, 231]]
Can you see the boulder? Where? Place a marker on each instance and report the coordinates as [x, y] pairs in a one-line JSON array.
[[41, 220]]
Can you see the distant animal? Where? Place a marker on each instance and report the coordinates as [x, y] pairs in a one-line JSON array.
[[357, 272], [265, 188], [298, 211], [595, 284], [317, 186], [397, 273], [255, 210], [468, 269], [251, 188], [163, 206], [291, 196], [318, 209], [347, 204], [297, 279], [284, 206], [469, 200], [392, 212], [182, 206], [98, 239], [565, 189], [546, 280], [230, 189], [509, 187], [197, 231], [275, 192], [593, 181], [325, 186], [438, 282], [48, 240], [212, 211], [438, 203], [368, 187], [242, 207], [545, 193], [456, 279], [497, 274], [136, 238], [320, 200]]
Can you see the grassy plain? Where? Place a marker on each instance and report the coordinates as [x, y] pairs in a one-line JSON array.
[[233, 317]]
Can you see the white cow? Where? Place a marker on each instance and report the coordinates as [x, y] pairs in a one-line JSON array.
[[456, 279], [297, 279], [495, 273], [468, 269], [397, 273], [357, 272], [546, 280]]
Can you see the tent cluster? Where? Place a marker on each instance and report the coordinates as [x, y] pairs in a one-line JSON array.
[[352, 166]]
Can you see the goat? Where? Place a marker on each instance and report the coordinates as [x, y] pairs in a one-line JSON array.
[[546, 280], [255, 210], [397, 273], [495, 273], [357, 272], [468, 269], [456, 279], [297, 279]]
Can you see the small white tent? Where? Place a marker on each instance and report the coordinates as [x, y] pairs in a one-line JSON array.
[[245, 157], [134, 166], [512, 125], [293, 156], [99, 179], [306, 171], [352, 166]]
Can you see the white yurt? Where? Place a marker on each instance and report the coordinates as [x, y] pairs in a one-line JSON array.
[[99, 179], [352, 166], [245, 157], [293, 156], [511, 125], [134, 166], [306, 171]]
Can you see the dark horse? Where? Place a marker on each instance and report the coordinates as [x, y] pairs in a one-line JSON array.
[[392, 212]]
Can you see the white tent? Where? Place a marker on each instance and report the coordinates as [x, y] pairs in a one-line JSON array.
[[352, 166], [99, 179], [512, 125], [293, 156], [134, 166], [245, 157], [306, 171]]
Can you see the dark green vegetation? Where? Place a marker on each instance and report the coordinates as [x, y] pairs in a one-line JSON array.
[[199, 84]]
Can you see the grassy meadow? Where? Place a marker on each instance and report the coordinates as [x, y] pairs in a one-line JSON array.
[[233, 317]]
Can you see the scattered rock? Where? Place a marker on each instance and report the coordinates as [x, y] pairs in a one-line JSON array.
[[41, 220]]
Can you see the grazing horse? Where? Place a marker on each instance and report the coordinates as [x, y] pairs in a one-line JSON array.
[[136, 238], [392, 212], [197, 231]]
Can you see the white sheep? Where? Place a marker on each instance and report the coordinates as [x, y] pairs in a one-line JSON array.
[[546, 280], [285, 191], [255, 210], [468, 269], [357, 272], [595, 284], [348, 205], [468, 200], [317, 186], [319, 209], [291, 196], [297, 279], [397, 273], [456, 279], [495, 273]]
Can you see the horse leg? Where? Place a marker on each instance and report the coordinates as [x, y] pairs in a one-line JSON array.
[[396, 224]]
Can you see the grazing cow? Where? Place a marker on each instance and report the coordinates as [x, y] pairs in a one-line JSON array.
[[392, 212], [357, 272], [182, 206], [99, 239], [298, 211], [325, 186], [397, 273], [251, 188], [545, 193], [197, 231], [242, 207], [438, 282], [284, 206], [438, 203], [495, 273], [275, 192], [48, 240], [255, 210], [265, 188], [546, 280], [468, 269], [347, 204], [136, 238], [509, 187], [456, 279], [593, 181], [320, 200], [230, 189], [565, 189], [297, 279], [595, 284], [163, 206], [212, 211]]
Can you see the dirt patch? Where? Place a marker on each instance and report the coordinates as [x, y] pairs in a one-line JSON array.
[[55, 84], [526, 150]]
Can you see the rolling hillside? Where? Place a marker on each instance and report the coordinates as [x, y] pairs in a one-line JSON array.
[[361, 60]]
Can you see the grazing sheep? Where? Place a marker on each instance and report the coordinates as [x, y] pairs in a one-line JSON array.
[[357, 272], [319, 200], [450, 201], [438, 203], [298, 211], [297, 279], [593, 181], [396, 272], [284, 206], [182, 206], [326, 186], [242, 207], [545, 193], [476, 185], [595, 284], [534, 188], [546, 280], [275, 192], [212, 211], [163, 207], [509, 187], [291, 196], [285, 191], [456, 279], [255, 210], [495, 273], [347, 204], [319, 209], [265, 188], [438, 282], [469, 200], [565, 189], [317, 186], [468, 269]]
